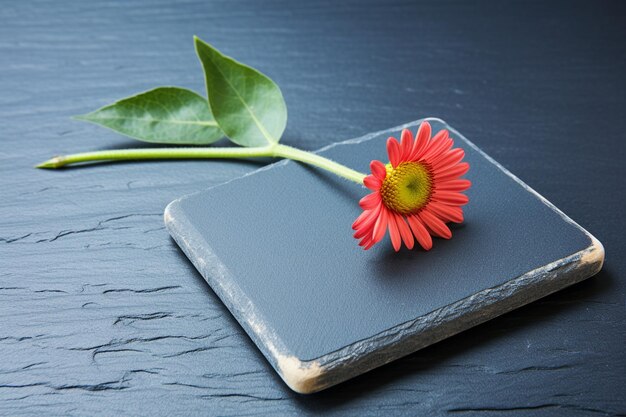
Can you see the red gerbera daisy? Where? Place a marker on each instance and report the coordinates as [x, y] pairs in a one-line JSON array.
[[416, 194]]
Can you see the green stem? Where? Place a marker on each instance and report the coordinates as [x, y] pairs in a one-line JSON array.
[[272, 151], [319, 161]]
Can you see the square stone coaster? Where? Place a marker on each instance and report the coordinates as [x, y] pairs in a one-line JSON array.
[[276, 246]]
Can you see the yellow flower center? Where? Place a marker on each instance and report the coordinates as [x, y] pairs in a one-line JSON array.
[[407, 187]]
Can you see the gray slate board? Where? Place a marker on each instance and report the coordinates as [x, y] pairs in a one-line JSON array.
[[276, 247]]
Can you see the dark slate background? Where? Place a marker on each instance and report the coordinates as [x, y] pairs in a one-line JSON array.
[[100, 313]]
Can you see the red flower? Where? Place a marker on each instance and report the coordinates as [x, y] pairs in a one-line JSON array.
[[416, 194]]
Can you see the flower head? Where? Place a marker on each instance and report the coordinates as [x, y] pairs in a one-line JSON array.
[[416, 193]]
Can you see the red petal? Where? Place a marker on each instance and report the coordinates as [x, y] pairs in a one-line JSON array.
[[436, 140], [406, 144], [405, 231], [394, 233], [378, 170], [446, 213], [421, 140], [437, 149], [359, 232], [434, 224], [447, 159], [372, 182], [452, 173], [420, 232], [441, 135], [367, 221], [381, 226], [454, 185], [393, 149], [359, 220], [362, 233], [370, 201], [369, 244], [450, 198]]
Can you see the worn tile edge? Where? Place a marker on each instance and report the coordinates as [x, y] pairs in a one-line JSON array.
[[298, 375], [309, 376], [447, 321]]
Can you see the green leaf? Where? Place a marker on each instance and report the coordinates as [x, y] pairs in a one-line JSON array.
[[247, 105], [164, 115]]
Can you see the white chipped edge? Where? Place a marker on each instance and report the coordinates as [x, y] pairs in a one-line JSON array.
[[309, 376], [299, 375]]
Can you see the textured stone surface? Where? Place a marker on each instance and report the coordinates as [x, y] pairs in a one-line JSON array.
[[276, 247], [100, 313]]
